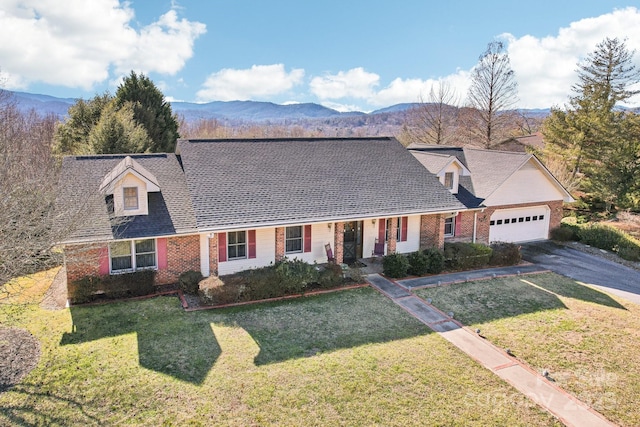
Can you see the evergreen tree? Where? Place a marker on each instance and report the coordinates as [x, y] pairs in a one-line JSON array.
[[150, 110], [117, 132], [594, 140], [72, 136]]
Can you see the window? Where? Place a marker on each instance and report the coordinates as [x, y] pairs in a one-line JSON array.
[[506, 221], [540, 217], [448, 180], [122, 258], [237, 244], [450, 227], [399, 237], [130, 198], [492, 222], [293, 239]]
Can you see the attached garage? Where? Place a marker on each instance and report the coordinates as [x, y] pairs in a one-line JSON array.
[[519, 225]]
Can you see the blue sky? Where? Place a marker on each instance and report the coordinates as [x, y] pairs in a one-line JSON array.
[[347, 54]]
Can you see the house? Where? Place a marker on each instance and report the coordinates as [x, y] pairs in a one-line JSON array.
[[523, 144], [509, 196], [223, 206]]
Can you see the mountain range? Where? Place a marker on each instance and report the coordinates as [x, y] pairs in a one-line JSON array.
[[232, 111]]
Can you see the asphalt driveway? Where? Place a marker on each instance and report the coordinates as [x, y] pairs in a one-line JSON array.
[[609, 276]]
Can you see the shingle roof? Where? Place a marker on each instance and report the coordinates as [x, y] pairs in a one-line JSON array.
[[489, 169], [434, 162], [87, 211], [238, 183]]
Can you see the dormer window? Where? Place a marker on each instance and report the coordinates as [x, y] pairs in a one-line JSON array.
[[448, 180], [129, 184], [130, 195]]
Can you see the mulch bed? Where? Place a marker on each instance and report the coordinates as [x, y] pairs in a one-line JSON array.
[[19, 354]]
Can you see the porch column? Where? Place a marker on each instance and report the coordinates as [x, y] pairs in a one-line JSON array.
[[280, 240], [431, 231], [392, 239], [213, 255], [338, 242]]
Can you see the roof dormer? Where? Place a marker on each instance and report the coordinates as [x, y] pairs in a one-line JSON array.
[[129, 183], [447, 168]]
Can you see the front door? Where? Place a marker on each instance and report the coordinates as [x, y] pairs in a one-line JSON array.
[[352, 243]]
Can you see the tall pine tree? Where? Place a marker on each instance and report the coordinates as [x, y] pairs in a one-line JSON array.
[[150, 110]]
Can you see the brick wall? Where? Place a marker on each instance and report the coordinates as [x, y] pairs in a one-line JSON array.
[[84, 260], [213, 255], [183, 254], [464, 228], [482, 235], [431, 231], [338, 242], [280, 243], [392, 240]]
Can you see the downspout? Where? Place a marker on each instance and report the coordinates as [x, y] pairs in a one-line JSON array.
[[475, 224]]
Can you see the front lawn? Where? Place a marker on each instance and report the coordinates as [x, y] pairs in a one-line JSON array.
[[589, 341], [347, 358]]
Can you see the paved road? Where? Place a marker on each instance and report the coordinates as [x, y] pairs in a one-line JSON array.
[[604, 274]]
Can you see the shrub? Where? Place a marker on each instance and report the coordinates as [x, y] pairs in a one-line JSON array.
[[188, 282], [286, 277], [435, 260], [395, 265], [214, 291], [464, 256], [629, 249], [124, 285], [600, 236], [505, 254], [330, 276], [418, 263], [564, 233]]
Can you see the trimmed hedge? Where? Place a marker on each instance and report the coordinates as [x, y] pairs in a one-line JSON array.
[[435, 260], [601, 236], [504, 253], [418, 263], [395, 265], [466, 256], [188, 282], [117, 286], [286, 277]]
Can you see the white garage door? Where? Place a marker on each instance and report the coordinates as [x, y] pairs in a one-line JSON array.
[[519, 225]]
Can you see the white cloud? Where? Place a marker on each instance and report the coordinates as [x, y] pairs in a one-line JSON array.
[[414, 90], [343, 108], [255, 82], [546, 67], [75, 43], [355, 83]]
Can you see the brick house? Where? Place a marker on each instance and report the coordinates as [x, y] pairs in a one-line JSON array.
[[223, 206]]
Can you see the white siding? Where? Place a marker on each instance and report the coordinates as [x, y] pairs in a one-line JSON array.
[[528, 185], [321, 234], [455, 169], [130, 180], [413, 236], [265, 254]]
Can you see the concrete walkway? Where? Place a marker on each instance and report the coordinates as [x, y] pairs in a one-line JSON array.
[[565, 407]]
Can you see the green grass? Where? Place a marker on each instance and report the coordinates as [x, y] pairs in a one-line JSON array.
[[347, 358], [589, 341]]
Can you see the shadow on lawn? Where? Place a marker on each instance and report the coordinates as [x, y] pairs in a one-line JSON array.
[[183, 344], [321, 324], [168, 341], [577, 291]]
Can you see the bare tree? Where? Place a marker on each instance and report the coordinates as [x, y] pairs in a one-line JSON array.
[[433, 121], [493, 92], [28, 177]]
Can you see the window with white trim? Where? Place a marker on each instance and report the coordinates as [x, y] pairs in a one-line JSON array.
[[122, 257], [448, 180], [130, 195], [450, 227], [293, 239], [236, 244]]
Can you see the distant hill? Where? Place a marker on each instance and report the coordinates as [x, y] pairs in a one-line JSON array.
[[385, 121]]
